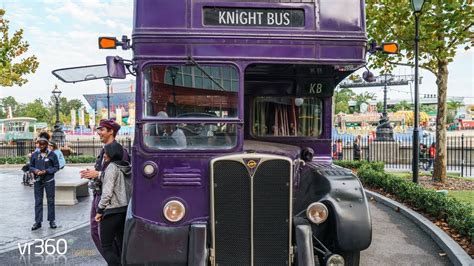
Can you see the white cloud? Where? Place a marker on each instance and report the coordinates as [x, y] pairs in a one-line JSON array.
[[73, 42], [54, 19], [114, 15], [19, 14]]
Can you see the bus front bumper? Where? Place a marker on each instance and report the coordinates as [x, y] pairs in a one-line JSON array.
[[147, 243]]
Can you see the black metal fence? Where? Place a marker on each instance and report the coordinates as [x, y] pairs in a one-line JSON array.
[[77, 147], [398, 154], [395, 154]]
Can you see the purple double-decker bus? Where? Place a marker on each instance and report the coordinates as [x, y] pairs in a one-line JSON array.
[[232, 148]]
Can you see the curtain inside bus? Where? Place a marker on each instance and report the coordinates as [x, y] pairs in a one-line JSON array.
[[287, 117]]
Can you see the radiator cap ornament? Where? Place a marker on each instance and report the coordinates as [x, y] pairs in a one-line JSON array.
[[251, 165]]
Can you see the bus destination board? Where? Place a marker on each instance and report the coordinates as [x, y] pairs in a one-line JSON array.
[[253, 17]]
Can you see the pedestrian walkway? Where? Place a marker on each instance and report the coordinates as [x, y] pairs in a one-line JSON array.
[[396, 241], [17, 210], [468, 171]]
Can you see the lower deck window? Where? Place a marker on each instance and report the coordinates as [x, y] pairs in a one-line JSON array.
[[287, 117]]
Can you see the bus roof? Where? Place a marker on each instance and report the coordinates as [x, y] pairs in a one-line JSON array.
[[323, 31]]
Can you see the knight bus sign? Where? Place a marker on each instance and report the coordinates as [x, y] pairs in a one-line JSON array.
[[250, 17], [231, 158]]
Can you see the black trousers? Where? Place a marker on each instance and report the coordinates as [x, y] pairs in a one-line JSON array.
[[39, 189], [111, 229]]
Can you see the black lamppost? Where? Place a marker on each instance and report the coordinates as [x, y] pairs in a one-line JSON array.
[[58, 134], [173, 73], [417, 6], [384, 130], [108, 81]]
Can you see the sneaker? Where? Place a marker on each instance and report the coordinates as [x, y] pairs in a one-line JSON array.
[[36, 226], [52, 225]]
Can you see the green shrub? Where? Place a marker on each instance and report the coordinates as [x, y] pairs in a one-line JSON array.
[[14, 160], [457, 214], [350, 164], [80, 159]]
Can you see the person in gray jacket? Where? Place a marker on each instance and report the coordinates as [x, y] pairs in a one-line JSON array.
[[112, 208]]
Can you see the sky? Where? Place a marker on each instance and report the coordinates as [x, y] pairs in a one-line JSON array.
[[63, 33]]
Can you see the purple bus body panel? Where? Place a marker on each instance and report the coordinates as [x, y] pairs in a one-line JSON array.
[[169, 31], [149, 205], [166, 14], [262, 51], [331, 19]]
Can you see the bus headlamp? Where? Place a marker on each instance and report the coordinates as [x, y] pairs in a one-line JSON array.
[[317, 212], [174, 211], [335, 260]]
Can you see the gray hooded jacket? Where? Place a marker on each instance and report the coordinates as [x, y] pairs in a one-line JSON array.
[[116, 188]]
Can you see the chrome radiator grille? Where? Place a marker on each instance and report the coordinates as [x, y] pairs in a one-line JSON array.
[[251, 210]]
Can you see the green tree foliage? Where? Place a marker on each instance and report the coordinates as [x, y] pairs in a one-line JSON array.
[[65, 107], [402, 106], [453, 107], [41, 111], [13, 66], [380, 107], [342, 107], [363, 97], [444, 25], [342, 98], [7, 102], [427, 108], [73, 104], [36, 109]]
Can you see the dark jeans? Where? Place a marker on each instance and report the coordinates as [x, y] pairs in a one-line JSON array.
[[39, 189], [430, 163], [94, 225], [111, 229]]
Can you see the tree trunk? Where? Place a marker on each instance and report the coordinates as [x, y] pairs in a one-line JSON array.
[[439, 173]]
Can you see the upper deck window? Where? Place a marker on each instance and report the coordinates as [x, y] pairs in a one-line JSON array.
[[287, 117], [190, 92]]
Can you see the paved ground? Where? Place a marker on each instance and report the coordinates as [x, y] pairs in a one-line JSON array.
[[396, 240], [17, 210]]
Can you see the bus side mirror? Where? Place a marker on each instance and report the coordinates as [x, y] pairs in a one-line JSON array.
[[115, 67], [368, 76]]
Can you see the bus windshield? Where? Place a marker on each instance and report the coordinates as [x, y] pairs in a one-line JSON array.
[[191, 92], [188, 93]]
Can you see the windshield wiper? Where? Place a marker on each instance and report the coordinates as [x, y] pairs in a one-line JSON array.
[[190, 59]]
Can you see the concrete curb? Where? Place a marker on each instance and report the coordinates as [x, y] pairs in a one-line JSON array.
[[14, 246], [456, 254]]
